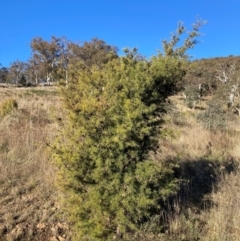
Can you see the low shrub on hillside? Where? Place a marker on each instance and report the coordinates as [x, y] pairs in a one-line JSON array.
[[214, 117], [192, 96], [7, 106]]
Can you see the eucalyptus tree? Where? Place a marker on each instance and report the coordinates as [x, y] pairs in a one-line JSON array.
[[228, 89], [46, 55], [33, 71], [95, 52], [16, 71]]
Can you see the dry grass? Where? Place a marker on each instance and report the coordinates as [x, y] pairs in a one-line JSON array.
[[29, 208], [224, 217], [185, 138], [208, 162]]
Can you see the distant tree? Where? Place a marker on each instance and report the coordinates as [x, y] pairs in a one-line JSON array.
[[33, 71], [95, 52], [63, 63], [228, 91], [226, 95], [23, 80], [16, 71], [46, 55], [225, 72], [51, 59], [3, 74]]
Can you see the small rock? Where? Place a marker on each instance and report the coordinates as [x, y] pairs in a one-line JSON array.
[[61, 226], [61, 238], [55, 231], [41, 226]]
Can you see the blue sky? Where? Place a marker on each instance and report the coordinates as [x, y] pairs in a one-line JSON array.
[[127, 23]]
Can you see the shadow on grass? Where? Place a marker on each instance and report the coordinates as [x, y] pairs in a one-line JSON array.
[[197, 180], [200, 108]]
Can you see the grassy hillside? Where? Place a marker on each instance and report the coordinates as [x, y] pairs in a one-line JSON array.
[[206, 163], [207, 205], [206, 71], [29, 208]]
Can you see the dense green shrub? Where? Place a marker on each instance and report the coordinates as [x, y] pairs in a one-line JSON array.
[[111, 183], [113, 124]]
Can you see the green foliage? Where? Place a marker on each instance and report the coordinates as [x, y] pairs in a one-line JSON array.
[[168, 133], [7, 106], [192, 96], [168, 73], [95, 52], [105, 149], [103, 152], [214, 117], [171, 47]]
